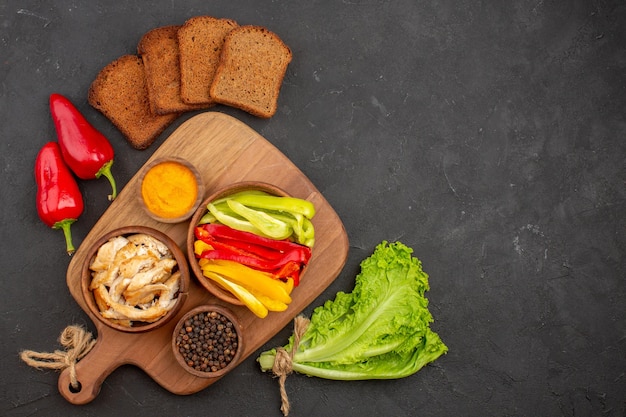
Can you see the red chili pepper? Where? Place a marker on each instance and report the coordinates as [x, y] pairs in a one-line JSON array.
[[59, 201], [85, 150]]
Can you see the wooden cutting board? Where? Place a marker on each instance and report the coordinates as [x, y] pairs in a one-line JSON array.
[[225, 151]]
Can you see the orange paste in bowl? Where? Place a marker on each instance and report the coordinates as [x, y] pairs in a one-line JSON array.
[[169, 189]]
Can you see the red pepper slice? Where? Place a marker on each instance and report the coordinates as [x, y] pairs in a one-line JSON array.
[[59, 201], [201, 233], [253, 261], [220, 230], [85, 150], [290, 270], [243, 259], [224, 247], [250, 248], [257, 250]]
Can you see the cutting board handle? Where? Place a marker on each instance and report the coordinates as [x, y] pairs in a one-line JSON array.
[[91, 371]]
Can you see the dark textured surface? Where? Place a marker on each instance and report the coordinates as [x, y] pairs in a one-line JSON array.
[[489, 136]]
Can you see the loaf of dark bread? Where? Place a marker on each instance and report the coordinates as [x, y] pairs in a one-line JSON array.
[[159, 51], [250, 73], [120, 93], [200, 42]]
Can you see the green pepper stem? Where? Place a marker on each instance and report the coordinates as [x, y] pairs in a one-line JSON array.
[[65, 226], [106, 171]]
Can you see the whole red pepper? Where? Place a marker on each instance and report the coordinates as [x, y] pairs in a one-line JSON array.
[[86, 151], [59, 201]]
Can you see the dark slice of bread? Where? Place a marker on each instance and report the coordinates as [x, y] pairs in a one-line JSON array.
[[119, 92], [200, 42], [158, 49], [251, 70]]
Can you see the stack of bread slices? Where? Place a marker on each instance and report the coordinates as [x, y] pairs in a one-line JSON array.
[[178, 68]]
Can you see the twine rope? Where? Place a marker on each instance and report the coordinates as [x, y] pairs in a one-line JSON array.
[[283, 363], [77, 343]]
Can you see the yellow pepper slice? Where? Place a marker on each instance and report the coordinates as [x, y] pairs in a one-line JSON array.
[[269, 303], [287, 283], [200, 246], [243, 295], [288, 286], [249, 278]]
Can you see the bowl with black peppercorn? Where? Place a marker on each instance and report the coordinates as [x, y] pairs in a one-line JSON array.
[[207, 341]]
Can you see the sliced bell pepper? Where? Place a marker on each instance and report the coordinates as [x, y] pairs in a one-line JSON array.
[[268, 225], [227, 248], [232, 221], [290, 270], [246, 297], [281, 258], [258, 250], [200, 246], [249, 278], [287, 284], [302, 227], [220, 230], [253, 261], [258, 212], [269, 303], [276, 203]]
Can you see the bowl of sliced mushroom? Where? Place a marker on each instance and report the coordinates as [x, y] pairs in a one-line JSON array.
[[135, 279]]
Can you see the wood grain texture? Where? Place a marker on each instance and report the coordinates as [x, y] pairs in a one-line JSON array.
[[225, 151]]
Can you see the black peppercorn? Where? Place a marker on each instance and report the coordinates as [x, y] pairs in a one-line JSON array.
[[207, 342]]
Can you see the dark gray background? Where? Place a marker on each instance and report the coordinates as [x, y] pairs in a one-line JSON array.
[[487, 135]]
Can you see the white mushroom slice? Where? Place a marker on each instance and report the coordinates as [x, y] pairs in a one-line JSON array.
[[150, 243], [106, 253]]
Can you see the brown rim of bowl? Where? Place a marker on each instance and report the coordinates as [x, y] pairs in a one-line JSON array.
[[182, 266], [238, 328], [199, 184], [209, 285]]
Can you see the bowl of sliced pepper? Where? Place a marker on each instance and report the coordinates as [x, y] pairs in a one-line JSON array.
[[249, 244]]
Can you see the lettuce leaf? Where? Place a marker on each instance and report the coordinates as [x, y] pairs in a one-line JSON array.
[[381, 330]]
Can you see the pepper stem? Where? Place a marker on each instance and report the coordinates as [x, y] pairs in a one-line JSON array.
[[106, 171], [65, 226]]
